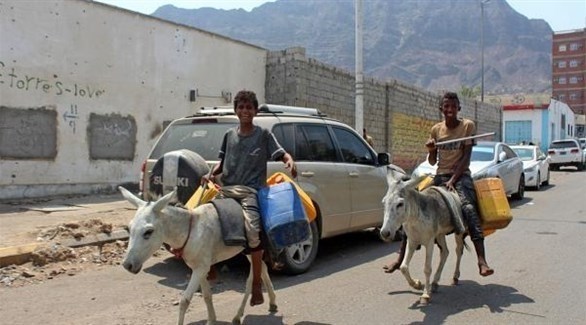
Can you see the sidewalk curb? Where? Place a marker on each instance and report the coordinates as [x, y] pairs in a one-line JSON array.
[[21, 254]]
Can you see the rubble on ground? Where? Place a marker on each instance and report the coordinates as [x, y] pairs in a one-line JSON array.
[[52, 259]]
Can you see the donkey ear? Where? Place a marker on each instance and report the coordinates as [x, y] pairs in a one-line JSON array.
[[164, 201], [133, 199]]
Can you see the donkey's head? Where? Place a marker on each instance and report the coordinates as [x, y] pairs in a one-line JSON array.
[[146, 229], [395, 202]]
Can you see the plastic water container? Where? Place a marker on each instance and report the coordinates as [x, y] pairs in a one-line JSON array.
[[283, 216], [495, 212]]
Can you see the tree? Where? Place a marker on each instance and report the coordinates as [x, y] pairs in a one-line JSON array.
[[466, 92]]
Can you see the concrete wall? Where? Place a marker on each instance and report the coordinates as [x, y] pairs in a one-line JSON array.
[[397, 115], [85, 89]]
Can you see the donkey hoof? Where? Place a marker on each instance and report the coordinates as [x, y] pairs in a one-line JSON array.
[[236, 321], [434, 287], [455, 281], [424, 300], [417, 285], [273, 308]]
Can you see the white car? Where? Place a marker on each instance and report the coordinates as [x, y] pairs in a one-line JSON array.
[[566, 152], [535, 165], [491, 159]]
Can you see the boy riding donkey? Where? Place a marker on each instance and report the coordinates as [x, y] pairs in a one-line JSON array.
[[244, 154], [453, 160]]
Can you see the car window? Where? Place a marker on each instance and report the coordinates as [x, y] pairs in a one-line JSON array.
[[562, 144], [524, 153], [285, 134], [482, 153], [510, 153], [204, 138], [354, 150], [313, 143]]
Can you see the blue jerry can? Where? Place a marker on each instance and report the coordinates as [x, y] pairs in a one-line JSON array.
[[282, 214]]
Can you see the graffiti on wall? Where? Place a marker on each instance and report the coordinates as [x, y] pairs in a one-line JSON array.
[[28, 133], [111, 137], [70, 117], [409, 134], [13, 79]]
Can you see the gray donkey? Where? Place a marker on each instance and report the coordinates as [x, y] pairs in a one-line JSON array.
[[427, 217]]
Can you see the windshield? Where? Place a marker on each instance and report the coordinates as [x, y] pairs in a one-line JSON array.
[[482, 153], [524, 153], [562, 144], [204, 139]]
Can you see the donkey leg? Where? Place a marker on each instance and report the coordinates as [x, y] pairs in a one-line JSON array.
[[266, 279], [236, 320], [197, 276], [426, 295], [444, 252], [415, 284], [459, 252]]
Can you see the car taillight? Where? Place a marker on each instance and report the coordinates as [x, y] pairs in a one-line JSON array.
[[574, 151], [140, 181], [551, 152]]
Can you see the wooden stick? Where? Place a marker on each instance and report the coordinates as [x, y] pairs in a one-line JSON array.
[[465, 138]]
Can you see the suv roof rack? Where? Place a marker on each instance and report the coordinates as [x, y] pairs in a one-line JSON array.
[[264, 108], [215, 110], [270, 108]]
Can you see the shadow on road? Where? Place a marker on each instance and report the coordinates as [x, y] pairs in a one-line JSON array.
[[334, 255], [452, 300]]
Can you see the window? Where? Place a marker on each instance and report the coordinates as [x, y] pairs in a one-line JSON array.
[[573, 63], [573, 80], [563, 80], [313, 143], [573, 96], [353, 148], [562, 97], [562, 48], [561, 64], [573, 46]]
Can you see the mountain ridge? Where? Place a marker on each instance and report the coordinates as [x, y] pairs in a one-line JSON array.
[[433, 45]]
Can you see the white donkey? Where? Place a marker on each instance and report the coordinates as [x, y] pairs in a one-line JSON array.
[[198, 234], [426, 217]]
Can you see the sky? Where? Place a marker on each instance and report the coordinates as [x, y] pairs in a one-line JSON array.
[[560, 14]]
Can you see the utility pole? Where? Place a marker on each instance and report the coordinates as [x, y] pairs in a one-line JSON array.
[[482, 3], [359, 109]]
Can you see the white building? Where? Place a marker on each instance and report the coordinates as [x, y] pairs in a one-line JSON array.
[[538, 124], [85, 89]]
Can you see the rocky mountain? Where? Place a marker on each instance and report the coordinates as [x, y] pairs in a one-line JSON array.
[[434, 44]]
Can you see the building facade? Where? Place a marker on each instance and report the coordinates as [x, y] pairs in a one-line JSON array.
[[569, 68], [538, 124]]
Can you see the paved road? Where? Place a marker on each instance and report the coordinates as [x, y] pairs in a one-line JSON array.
[[540, 279]]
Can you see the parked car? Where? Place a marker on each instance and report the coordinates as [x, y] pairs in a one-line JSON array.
[[491, 159], [582, 142], [342, 174], [566, 152], [535, 165]]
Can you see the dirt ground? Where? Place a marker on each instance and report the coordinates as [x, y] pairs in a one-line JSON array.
[[50, 222]]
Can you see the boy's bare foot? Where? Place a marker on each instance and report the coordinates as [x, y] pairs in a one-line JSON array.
[[256, 298], [485, 270], [391, 267]]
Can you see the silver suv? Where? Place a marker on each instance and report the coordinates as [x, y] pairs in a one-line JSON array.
[[566, 153], [343, 175]]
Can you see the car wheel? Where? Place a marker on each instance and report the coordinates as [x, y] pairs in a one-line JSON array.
[[521, 190], [298, 258], [546, 181], [538, 182]]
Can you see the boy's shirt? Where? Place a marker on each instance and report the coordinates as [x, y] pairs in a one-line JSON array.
[[449, 154], [245, 157]]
